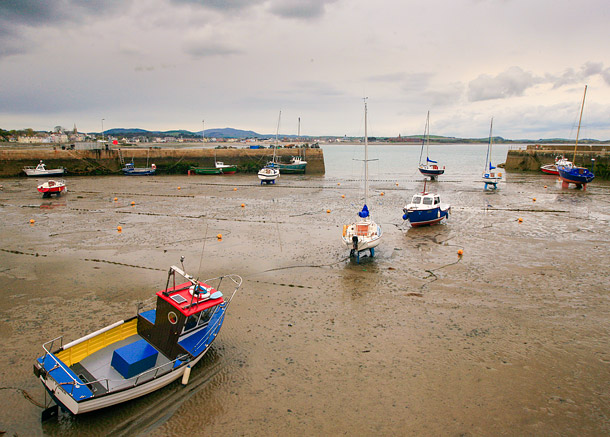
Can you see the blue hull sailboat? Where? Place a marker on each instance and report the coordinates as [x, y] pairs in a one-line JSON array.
[[569, 173], [430, 168]]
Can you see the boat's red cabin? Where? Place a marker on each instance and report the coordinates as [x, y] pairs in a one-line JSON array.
[[181, 297]]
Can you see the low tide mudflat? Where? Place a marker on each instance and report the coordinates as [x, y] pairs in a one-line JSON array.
[[510, 339]]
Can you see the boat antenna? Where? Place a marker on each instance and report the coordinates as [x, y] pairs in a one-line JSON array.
[[582, 107], [277, 132]]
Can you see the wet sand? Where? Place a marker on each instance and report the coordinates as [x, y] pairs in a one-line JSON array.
[[510, 339]]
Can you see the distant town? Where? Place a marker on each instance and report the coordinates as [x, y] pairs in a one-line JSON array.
[[62, 136]]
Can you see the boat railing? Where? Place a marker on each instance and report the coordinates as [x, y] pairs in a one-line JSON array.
[[146, 304], [105, 382]]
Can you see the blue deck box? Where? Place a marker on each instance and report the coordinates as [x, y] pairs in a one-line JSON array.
[[134, 358]]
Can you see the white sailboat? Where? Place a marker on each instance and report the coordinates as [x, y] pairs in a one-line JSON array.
[[364, 233], [270, 172], [490, 177]]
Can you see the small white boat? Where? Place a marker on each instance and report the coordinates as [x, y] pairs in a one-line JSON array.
[[52, 187], [364, 234], [268, 175], [490, 177], [140, 354], [42, 170], [270, 172]]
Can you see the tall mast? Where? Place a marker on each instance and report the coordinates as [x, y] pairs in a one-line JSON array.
[[366, 156], [203, 131], [488, 158], [277, 132], [579, 120], [427, 137]]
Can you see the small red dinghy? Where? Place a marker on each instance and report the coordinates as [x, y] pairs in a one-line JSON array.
[[51, 187]]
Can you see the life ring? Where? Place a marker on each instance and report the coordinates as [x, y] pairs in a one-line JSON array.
[[153, 166]]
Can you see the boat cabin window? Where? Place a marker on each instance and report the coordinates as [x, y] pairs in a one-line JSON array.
[[416, 200], [437, 200], [427, 200], [197, 320]]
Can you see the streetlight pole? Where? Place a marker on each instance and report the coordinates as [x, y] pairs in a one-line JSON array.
[[103, 129]]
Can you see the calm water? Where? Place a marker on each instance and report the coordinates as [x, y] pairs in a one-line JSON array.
[[401, 161]]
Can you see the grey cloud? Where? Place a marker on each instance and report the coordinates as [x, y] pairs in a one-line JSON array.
[[571, 76], [606, 75], [48, 12], [221, 5], [302, 9], [512, 82], [202, 48], [16, 15]]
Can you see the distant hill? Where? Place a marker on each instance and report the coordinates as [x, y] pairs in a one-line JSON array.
[[209, 133]]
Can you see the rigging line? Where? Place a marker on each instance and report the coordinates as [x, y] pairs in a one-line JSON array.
[[298, 267], [203, 246]]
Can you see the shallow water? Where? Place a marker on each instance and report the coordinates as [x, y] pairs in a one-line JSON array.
[[510, 339]]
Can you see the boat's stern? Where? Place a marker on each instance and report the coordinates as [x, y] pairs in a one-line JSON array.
[[64, 386]]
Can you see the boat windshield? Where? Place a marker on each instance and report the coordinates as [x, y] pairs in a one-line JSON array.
[[416, 200], [428, 200]]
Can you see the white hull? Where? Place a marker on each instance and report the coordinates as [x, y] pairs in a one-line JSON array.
[[116, 398], [268, 174], [366, 240], [50, 172]]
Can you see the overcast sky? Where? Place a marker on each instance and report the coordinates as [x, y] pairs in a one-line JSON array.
[[169, 64]]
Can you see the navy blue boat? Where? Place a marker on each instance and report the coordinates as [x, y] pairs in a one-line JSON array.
[[569, 173], [426, 209]]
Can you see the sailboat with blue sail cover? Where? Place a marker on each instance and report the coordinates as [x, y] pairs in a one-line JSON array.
[[491, 177], [430, 168], [364, 233]]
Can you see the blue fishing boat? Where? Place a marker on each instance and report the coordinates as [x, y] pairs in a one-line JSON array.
[[430, 168], [140, 354], [569, 172], [131, 170], [491, 177], [426, 209]]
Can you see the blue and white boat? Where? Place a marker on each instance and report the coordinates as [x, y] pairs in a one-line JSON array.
[[426, 209], [140, 354], [430, 168], [491, 176], [569, 173]]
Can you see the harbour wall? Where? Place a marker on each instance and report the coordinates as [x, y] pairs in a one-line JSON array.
[[596, 158], [168, 160]]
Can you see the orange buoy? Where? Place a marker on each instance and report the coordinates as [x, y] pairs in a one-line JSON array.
[[328, 211], [338, 183], [382, 193], [178, 187], [520, 220], [133, 203], [219, 236], [396, 183], [32, 221], [545, 186], [534, 199], [343, 196], [460, 252], [119, 228], [243, 205], [234, 189], [116, 198]]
